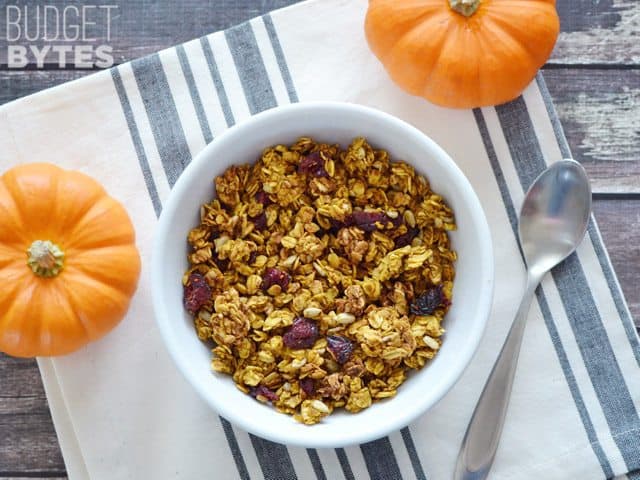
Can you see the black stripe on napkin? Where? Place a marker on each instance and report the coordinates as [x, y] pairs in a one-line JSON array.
[[542, 301], [144, 164], [282, 62], [605, 264], [236, 452], [380, 459], [259, 96], [581, 309], [413, 454], [137, 142], [232, 441], [163, 115], [274, 459], [251, 69], [314, 458], [344, 464], [195, 96], [217, 81]]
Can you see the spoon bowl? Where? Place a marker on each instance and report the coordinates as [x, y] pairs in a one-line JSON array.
[[555, 214], [553, 221]]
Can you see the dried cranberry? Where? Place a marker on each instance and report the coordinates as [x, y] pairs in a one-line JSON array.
[[341, 348], [406, 238], [313, 164], [396, 222], [263, 392], [303, 333], [336, 225], [428, 301], [263, 198], [197, 292], [260, 221], [369, 221], [223, 265], [275, 276], [308, 386]]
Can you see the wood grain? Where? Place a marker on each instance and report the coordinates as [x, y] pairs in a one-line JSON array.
[[16, 84], [598, 32], [28, 442], [592, 32], [619, 222], [600, 113]]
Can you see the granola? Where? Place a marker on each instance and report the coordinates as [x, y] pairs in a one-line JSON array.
[[322, 276]]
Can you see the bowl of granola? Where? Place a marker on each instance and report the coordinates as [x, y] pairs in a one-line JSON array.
[[322, 274]]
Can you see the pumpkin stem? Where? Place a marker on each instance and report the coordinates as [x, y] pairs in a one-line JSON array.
[[45, 258], [465, 7]]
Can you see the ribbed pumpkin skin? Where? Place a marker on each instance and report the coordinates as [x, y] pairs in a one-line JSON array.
[[55, 316], [489, 58]]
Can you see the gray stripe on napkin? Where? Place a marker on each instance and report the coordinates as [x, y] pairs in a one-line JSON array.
[[259, 95], [217, 81], [206, 132], [133, 129], [316, 464], [406, 434], [275, 461], [272, 457], [413, 454], [605, 264], [250, 66], [544, 307], [380, 459], [282, 62], [235, 449], [252, 73], [344, 464], [163, 115], [137, 142], [635, 475], [581, 309], [193, 91]]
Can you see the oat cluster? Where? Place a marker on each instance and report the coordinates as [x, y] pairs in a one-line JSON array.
[[322, 275]]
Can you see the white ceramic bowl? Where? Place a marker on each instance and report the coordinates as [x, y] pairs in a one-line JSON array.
[[333, 123]]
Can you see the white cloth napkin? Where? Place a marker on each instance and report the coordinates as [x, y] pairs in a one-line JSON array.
[[121, 409]]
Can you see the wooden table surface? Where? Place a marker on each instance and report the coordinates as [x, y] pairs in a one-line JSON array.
[[594, 79]]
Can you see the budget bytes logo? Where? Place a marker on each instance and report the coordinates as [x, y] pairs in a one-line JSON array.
[[65, 36]]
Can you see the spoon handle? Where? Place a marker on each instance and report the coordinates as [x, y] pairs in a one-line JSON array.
[[483, 433]]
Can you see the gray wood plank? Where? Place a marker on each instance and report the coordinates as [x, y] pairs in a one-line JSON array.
[[600, 113], [592, 32], [619, 222], [28, 443], [598, 32], [18, 378], [14, 84]]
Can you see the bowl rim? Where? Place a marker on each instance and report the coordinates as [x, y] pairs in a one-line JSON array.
[[403, 417]]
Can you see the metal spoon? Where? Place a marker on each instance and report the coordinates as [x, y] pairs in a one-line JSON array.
[[553, 221]]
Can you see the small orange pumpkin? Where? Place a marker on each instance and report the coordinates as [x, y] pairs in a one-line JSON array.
[[68, 261], [462, 53]]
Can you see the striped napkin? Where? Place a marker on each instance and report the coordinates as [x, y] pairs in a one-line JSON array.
[[121, 409]]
